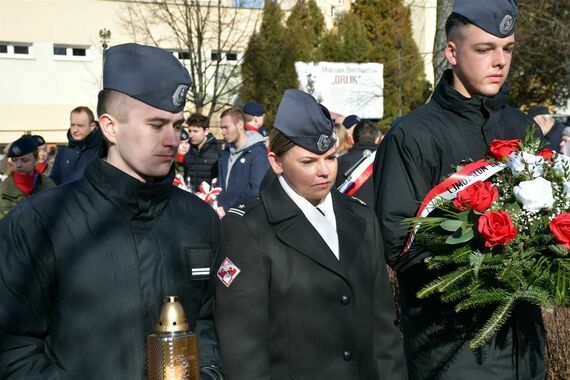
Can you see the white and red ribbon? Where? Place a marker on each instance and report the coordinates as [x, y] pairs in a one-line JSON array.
[[359, 175], [208, 193], [448, 189]]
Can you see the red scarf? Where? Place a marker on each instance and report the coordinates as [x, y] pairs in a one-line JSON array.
[[180, 157], [41, 167], [25, 183]]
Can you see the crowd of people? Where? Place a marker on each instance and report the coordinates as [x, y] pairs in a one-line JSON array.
[[282, 269]]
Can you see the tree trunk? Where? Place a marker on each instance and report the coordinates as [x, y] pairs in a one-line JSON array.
[[439, 62]]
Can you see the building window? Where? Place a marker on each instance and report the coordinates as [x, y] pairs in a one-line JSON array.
[[225, 56], [71, 52], [182, 55], [16, 50]]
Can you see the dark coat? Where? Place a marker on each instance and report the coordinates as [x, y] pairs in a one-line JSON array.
[[414, 156], [295, 311], [245, 176], [202, 164], [345, 162], [71, 161], [10, 195], [84, 270]]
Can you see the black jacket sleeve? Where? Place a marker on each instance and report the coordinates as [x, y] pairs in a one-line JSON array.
[[26, 282], [401, 181]]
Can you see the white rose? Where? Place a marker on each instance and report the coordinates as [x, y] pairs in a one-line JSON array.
[[526, 163], [561, 165], [534, 195]]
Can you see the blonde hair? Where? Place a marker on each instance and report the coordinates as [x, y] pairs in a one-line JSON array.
[[342, 143]]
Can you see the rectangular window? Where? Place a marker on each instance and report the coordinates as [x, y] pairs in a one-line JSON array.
[[226, 57], [231, 56], [16, 50], [63, 52], [58, 50], [183, 55], [215, 55]]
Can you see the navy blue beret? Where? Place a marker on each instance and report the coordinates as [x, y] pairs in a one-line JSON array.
[[253, 109], [350, 120], [147, 73], [39, 139], [538, 110], [24, 145], [305, 122], [496, 17], [184, 135]]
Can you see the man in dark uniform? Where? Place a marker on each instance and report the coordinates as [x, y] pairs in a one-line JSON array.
[[84, 267], [302, 290], [366, 138], [467, 111]]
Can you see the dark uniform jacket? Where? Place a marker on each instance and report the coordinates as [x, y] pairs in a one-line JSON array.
[[71, 161], [202, 164], [246, 173], [84, 268], [345, 162], [295, 311], [414, 156], [10, 195]]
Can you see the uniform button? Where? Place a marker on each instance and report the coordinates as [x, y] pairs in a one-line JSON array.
[[347, 355], [345, 300]]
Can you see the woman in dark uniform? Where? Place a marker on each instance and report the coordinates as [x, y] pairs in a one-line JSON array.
[[302, 290]]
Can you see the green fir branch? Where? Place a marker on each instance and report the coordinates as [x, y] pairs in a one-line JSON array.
[[442, 283], [482, 297], [494, 323]]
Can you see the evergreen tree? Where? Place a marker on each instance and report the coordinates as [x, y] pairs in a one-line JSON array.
[[268, 67], [305, 28], [389, 30], [346, 42]]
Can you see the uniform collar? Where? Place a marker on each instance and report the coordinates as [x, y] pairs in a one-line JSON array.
[[133, 197]]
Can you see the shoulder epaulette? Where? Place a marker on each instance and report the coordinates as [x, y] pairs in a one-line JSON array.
[[242, 208]]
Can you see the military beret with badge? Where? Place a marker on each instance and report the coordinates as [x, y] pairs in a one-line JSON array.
[[496, 17], [147, 73], [24, 145], [305, 122], [253, 109]]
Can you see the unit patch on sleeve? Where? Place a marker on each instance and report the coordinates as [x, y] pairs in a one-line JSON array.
[[228, 272]]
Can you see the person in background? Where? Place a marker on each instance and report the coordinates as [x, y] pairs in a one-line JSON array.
[[350, 123], [302, 290], [42, 166], [243, 162], [24, 180], [201, 161], [564, 141], [183, 149], [254, 116], [366, 139], [549, 126], [84, 138], [343, 144]]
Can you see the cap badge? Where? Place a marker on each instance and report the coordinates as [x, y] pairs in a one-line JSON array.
[[17, 150], [179, 96], [323, 143], [228, 272], [507, 24]]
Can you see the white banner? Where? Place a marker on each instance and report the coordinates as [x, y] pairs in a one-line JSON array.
[[345, 88]]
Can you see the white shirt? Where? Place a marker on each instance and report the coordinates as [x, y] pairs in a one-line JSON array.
[[321, 217]]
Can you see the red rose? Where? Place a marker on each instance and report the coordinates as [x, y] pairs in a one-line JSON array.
[[501, 149], [560, 228], [546, 153], [496, 227], [478, 196]]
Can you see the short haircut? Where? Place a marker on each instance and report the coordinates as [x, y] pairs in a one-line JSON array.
[[89, 113], [278, 143], [365, 133], [114, 103], [454, 23], [198, 120], [236, 114]]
